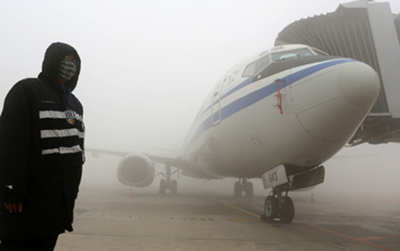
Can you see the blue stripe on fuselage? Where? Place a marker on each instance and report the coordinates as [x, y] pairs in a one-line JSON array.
[[251, 98]]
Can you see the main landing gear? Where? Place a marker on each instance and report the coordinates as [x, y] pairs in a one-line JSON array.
[[168, 183], [278, 206], [243, 185]]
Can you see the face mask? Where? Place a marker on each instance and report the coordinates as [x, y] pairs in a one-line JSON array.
[[67, 69]]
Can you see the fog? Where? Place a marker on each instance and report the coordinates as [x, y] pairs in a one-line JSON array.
[[147, 65], [365, 170]]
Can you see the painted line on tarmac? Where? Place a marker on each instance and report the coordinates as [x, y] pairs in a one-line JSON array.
[[230, 205], [244, 220], [143, 217], [314, 226], [380, 238], [347, 236]]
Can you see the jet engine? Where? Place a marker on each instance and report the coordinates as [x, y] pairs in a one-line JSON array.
[[136, 170]]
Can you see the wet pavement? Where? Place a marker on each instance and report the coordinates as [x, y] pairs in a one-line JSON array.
[[123, 219]]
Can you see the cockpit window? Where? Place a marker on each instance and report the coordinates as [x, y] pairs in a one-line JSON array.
[[256, 66], [263, 62], [304, 52], [249, 71]]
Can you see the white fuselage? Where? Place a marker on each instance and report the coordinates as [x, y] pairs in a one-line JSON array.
[[299, 115]]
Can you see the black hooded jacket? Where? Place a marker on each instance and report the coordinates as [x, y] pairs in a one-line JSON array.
[[41, 151]]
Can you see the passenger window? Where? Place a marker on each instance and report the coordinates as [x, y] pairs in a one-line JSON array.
[[263, 62], [249, 71]]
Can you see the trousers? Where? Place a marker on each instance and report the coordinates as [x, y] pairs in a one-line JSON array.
[[38, 244]]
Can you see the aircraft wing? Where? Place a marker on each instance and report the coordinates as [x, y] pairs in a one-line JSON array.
[[169, 158], [96, 152]]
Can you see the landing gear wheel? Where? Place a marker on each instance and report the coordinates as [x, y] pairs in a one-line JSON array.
[[248, 189], [168, 183], [271, 208], [163, 186], [238, 189], [287, 209], [174, 187]]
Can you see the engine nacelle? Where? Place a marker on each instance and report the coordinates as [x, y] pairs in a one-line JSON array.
[[136, 170]]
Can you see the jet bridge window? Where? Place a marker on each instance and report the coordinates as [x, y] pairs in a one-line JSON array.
[[291, 54]]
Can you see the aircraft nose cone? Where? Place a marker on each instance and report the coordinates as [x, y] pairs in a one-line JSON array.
[[338, 100], [358, 83]]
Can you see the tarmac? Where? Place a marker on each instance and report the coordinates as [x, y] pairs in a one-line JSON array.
[[131, 219]]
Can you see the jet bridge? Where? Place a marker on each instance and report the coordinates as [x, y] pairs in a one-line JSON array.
[[368, 32]]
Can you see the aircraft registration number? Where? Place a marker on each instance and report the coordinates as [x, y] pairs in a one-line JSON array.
[[275, 177]]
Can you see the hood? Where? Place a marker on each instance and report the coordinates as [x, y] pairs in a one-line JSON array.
[[52, 58]]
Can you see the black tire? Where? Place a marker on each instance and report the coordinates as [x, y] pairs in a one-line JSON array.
[[248, 189], [163, 186], [174, 187], [271, 208], [287, 210], [238, 189]]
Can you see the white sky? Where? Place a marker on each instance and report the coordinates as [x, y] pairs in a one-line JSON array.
[[146, 65]]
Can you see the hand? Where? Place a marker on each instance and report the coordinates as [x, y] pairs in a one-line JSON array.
[[13, 207]]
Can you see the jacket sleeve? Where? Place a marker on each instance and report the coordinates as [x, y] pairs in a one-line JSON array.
[[15, 140]]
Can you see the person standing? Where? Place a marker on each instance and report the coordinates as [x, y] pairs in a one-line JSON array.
[[41, 154]]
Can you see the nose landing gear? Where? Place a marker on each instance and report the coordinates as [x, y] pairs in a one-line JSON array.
[[278, 207]]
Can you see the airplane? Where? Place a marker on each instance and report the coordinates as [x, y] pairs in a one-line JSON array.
[[277, 116]]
